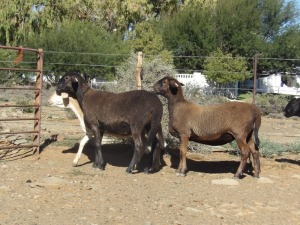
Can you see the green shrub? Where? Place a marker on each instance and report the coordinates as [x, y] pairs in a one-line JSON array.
[[271, 103], [270, 149]]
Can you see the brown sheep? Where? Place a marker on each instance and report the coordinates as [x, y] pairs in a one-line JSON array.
[[135, 113], [212, 125]]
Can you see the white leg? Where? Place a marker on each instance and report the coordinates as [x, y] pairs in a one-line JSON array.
[[83, 141]]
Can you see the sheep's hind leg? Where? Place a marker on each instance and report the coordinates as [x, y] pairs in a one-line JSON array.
[[137, 154], [245, 151], [255, 155], [154, 158]]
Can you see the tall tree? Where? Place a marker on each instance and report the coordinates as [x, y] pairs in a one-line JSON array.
[[238, 27], [146, 40], [223, 68], [81, 46], [189, 35]]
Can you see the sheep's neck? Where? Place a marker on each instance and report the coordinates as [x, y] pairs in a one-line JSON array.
[[81, 92], [78, 112], [172, 101]]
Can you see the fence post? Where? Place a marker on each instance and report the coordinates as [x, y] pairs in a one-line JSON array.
[[38, 101], [255, 59], [138, 71]]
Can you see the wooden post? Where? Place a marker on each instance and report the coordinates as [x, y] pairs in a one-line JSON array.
[[38, 102], [255, 60], [138, 71]]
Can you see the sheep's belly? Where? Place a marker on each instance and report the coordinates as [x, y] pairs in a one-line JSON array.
[[122, 129], [213, 139]]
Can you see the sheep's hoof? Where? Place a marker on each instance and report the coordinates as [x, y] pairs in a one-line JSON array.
[[132, 171], [180, 174], [238, 176], [98, 166], [74, 164], [148, 170]]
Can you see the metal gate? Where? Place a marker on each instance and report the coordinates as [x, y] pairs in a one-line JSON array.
[[37, 88]]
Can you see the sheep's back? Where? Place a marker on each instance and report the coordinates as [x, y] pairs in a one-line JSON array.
[[109, 107]]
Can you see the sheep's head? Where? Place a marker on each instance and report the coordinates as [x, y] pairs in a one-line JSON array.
[[166, 86], [69, 84]]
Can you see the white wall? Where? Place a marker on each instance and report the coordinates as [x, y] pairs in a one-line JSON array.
[[198, 79], [195, 79]]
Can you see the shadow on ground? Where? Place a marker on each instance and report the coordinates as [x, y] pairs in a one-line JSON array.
[[118, 154], [211, 167], [291, 161]]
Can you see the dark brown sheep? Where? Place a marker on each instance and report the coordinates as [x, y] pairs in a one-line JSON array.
[[136, 113], [292, 108], [212, 125]]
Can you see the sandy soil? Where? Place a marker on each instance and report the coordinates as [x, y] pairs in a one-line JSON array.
[[46, 189]]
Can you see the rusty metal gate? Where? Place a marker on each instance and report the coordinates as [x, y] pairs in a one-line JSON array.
[[37, 88]]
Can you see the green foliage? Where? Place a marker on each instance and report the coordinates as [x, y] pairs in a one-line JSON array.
[[190, 29], [223, 68], [270, 149], [145, 39], [73, 40], [188, 33], [238, 27]]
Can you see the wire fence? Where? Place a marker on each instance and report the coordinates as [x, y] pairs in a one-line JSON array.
[[297, 60]]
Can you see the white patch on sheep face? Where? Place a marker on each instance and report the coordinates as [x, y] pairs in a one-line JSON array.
[[56, 100], [64, 95]]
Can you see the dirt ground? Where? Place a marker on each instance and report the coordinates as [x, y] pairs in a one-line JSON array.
[[46, 189]]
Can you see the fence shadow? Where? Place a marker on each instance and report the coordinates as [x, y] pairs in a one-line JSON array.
[[15, 154]]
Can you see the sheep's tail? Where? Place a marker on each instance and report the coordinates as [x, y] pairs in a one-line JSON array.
[[257, 124]]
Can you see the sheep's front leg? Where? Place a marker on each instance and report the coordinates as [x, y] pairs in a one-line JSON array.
[[83, 141], [99, 162], [182, 168]]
